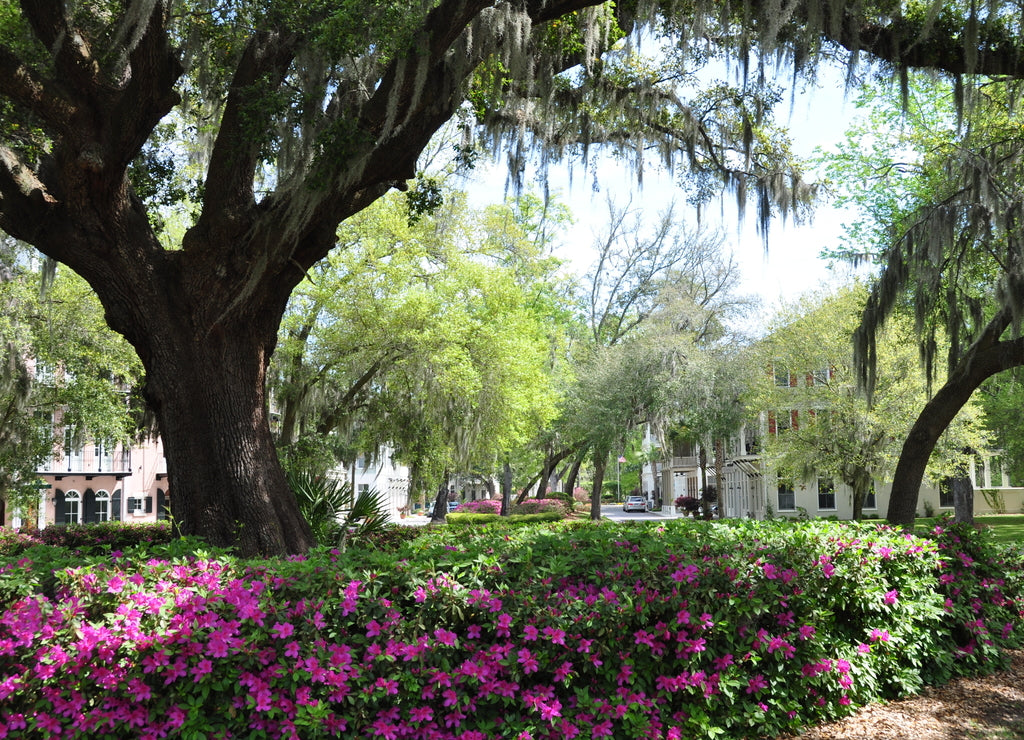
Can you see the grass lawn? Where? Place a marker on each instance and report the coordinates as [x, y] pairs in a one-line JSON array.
[[1005, 527]]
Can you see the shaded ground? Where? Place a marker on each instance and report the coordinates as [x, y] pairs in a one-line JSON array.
[[986, 708]]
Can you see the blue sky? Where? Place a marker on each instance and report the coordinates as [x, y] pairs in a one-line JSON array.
[[790, 267]]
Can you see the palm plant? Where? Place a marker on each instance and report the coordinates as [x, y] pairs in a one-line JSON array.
[[334, 513]]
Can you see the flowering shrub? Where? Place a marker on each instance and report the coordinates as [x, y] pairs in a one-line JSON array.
[[13, 542], [106, 535], [541, 506], [678, 630], [480, 506]]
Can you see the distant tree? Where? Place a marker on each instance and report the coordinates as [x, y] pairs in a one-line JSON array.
[[619, 388], [427, 336], [1002, 398], [61, 365], [820, 422]]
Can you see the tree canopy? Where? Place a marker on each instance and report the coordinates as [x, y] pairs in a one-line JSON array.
[[942, 211], [279, 119]]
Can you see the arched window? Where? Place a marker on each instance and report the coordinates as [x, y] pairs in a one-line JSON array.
[[72, 507], [102, 503]]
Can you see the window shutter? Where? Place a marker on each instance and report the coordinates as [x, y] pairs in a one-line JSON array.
[[58, 506], [161, 505], [149, 504], [115, 506], [130, 504]]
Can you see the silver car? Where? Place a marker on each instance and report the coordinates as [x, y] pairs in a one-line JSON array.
[[635, 503]]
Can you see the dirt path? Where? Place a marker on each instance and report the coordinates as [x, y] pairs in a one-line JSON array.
[[986, 708]]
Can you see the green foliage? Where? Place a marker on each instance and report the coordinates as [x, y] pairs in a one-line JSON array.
[[429, 337], [1002, 398], [839, 433], [333, 512], [460, 519]]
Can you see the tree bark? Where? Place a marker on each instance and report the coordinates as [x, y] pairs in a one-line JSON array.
[[506, 489], [963, 500], [574, 472], [600, 465], [859, 483], [720, 475], [226, 483], [441, 501], [986, 357]]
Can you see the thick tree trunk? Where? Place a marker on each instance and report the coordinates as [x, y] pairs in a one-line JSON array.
[[226, 483], [860, 483], [574, 472], [545, 476], [441, 501], [705, 508], [720, 475], [986, 357]]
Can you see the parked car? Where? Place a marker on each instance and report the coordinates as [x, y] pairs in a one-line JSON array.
[[635, 503], [452, 506]]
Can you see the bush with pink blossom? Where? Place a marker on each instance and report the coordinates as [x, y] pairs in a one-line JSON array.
[[541, 506], [480, 506], [676, 630]]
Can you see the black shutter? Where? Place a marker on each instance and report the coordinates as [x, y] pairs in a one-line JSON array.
[[161, 505], [149, 504], [58, 506], [115, 506], [89, 506], [130, 505]]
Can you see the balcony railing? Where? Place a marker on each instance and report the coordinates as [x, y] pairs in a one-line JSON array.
[[89, 464], [685, 462]]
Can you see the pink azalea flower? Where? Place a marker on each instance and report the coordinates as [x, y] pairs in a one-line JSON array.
[[283, 629], [756, 684]]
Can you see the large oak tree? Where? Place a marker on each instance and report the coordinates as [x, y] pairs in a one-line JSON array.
[[312, 111]]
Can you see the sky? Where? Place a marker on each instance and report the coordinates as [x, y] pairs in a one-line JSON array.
[[790, 266]]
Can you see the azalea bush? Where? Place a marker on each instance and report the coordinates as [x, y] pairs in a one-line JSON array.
[[480, 506], [655, 630], [99, 537]]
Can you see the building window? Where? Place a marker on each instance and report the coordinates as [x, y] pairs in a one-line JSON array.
[[787, 496], [995, 473], [782, 377], [826, 494], [946, 493], [73, 451], [869, 498], [72, 507], [102, 506], [139, 506], [104, 457], [783, 421], [820, 377]]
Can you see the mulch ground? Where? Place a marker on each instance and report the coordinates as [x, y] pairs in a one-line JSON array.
[[984, 708]]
